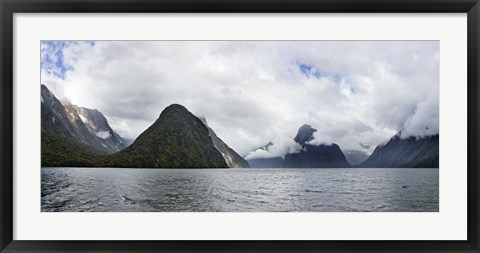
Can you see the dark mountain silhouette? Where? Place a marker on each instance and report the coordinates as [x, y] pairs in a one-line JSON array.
[[310, 156], [411, 152], [274, 162], [177, 139], [314, 156], [321, 156]]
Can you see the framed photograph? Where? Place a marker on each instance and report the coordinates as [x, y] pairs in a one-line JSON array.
[[184, 126]]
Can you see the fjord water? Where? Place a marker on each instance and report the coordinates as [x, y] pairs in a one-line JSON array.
[[239, 190]]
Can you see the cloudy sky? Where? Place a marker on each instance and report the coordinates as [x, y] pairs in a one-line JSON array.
[[357, 94]]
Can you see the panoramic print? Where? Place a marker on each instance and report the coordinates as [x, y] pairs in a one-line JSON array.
[[239, 126]]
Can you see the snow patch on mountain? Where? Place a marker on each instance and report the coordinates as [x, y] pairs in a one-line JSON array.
[[103, 134]]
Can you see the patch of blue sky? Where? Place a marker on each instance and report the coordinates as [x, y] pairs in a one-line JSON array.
[[305, 68], [53, 59], [310, 71]]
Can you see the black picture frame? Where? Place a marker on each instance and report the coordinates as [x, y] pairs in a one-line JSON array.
[[9, 7]]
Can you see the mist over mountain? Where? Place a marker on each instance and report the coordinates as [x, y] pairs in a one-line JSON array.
[[307, 156], [314, 156], [264, 162]]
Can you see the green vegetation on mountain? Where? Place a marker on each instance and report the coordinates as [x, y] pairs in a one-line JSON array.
[[177, 139], [58, 151]]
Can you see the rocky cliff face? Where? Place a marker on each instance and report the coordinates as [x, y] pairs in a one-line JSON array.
[[86, 128], [65, 141], [98, 125], [232, 158]]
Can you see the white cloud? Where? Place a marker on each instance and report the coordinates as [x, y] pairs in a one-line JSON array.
[[279, 148], [424, 120], [253, 92]]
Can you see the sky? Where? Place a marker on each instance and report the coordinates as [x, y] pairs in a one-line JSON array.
[[357, 94]]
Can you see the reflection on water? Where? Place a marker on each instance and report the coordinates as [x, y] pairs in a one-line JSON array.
[[239, 190]]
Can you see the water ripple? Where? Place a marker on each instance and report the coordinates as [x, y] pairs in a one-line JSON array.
[[239, 190]]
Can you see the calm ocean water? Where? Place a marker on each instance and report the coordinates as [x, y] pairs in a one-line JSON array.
[[239, 190]]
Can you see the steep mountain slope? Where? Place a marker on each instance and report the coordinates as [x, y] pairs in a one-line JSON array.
[[410, 152], [65, 139], [232, 158], [177, 139], [56, 119], [98, 125], [64, 119]]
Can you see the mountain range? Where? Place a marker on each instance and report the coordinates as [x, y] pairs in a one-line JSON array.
[[398, 152], [74, 136], [78, 136]]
